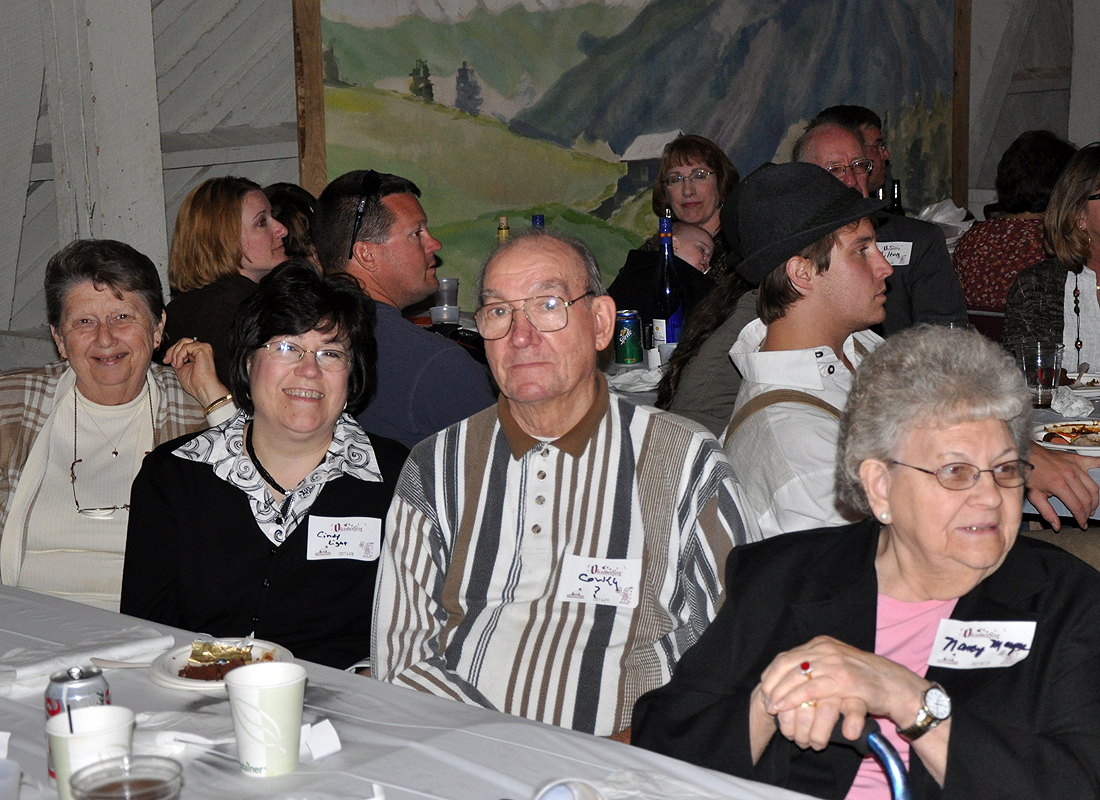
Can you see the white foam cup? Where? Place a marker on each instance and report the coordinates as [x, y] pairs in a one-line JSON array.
[[98, 733], [266, 702]]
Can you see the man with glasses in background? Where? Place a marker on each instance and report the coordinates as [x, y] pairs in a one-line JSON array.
[[553, 556], [371, 225], [924, 287]]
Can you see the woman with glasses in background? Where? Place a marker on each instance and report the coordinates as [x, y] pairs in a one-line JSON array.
[[270, 524], [975, 650], [693, 179], [73, 433]]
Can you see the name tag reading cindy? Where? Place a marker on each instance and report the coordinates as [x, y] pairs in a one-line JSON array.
[[979, 645], [357, 538], [897, 253], [606, 581]]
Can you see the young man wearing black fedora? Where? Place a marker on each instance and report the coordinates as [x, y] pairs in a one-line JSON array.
[[810, 245]]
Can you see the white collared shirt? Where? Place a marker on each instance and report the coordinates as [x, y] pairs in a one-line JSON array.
[[785, 454]]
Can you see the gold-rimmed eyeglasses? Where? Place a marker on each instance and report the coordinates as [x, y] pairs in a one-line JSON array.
[[693, 178], [960, 476], [102, 512], [546, 313]]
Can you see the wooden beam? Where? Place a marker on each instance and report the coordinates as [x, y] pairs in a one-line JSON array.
[[21, 64], [309, 87], [105, 123], [960, 111]]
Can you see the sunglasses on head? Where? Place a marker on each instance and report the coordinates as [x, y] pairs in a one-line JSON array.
[[372, 182]]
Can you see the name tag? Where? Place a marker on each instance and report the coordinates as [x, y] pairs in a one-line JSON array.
[[897, 253], [606, 581], [357, 538], [980, 645]]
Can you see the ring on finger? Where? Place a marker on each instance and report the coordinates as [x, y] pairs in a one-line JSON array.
[[810, 704], [806, 670]]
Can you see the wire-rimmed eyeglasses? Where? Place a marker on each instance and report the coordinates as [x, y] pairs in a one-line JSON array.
[[693, 178], [960, 476], [546, 313], [372, 182], [861, 166], [102, 512], [328, 359]]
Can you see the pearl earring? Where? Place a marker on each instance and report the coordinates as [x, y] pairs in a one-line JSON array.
[[884, 516]]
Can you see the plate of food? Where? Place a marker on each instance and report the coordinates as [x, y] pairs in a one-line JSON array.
[[1075, 435], [1088, 386], [201, 665]]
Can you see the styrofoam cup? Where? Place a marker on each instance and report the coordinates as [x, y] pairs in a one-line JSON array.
[[266, 703], [98, 733]]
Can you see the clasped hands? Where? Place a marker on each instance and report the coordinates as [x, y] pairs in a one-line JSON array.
[[805, 691]]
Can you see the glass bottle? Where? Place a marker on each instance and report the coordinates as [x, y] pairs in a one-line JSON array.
[[668, 308]]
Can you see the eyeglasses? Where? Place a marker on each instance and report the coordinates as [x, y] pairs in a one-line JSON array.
[[102, 512], [693, 178], [546, 313], [877, 147], [372, 182], [961, 476], [290, 353], [861, 166]]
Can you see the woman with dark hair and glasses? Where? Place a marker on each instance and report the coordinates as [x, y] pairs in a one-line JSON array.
[[270, 524], [73, 433], [973, 648]]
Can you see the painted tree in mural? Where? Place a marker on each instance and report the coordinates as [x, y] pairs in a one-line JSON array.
[[467, 91], [420, 83]]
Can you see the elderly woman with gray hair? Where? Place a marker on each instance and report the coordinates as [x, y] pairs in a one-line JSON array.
[[975, 650]]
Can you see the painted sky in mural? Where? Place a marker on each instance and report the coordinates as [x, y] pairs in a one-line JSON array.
[[527, 106]]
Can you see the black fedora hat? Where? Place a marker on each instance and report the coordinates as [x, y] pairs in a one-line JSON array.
[[782, 208]]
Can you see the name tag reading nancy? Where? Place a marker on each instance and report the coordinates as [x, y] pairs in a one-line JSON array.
[[606, 581], [979, 645], [897, 253], [357, 538]]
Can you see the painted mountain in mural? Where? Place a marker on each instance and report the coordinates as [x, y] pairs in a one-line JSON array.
[[742, 71]]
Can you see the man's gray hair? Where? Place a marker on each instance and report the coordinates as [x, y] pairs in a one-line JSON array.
[[583, 252], [922, 377]]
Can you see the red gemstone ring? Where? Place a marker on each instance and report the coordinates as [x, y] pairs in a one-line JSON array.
[[806, 669]]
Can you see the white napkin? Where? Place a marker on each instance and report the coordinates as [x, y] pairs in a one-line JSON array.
[[949, 217], [636, 380], [26, 670], [185, 735], [1070, 404]]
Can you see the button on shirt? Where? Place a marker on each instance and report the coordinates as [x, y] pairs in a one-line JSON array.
[[785, 454]]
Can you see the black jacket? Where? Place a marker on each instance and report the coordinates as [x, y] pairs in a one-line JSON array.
[[1031, 730], [196, 559]]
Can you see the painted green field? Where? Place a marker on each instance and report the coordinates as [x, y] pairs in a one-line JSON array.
[[472, 170]]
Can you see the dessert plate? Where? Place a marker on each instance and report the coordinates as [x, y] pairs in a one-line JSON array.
[[165, 668]]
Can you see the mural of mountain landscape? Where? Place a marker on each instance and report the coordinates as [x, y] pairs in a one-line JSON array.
[[517, 107]]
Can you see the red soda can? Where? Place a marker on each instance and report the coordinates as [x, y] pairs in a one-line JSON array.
[[75, 687]]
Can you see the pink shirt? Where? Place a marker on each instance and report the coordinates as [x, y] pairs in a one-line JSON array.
[[904, 633]]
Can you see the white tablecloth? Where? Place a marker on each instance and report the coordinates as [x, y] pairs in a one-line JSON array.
[[413, 744]]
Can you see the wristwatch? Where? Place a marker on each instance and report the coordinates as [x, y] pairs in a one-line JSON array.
[[935, 708]]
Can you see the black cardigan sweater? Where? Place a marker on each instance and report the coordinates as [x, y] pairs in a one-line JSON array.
[[196, 559]]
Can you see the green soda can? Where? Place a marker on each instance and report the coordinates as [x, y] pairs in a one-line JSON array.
[[628, 337]]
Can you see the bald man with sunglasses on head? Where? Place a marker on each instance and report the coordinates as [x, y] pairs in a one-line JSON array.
[[371, 225]]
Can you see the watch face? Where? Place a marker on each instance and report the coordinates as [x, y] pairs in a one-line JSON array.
[[938, 702]]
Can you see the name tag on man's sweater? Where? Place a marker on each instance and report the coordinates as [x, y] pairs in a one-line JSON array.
[[357, 538], [606, 581]]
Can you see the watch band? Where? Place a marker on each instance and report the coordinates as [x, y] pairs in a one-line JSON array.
[[926, 719]]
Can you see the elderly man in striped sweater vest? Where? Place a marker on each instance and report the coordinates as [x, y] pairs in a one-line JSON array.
[[554, 555]]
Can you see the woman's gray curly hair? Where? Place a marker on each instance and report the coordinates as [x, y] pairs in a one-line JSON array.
[[921, 377]]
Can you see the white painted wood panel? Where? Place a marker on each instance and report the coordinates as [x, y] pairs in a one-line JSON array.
[[21, 64]]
